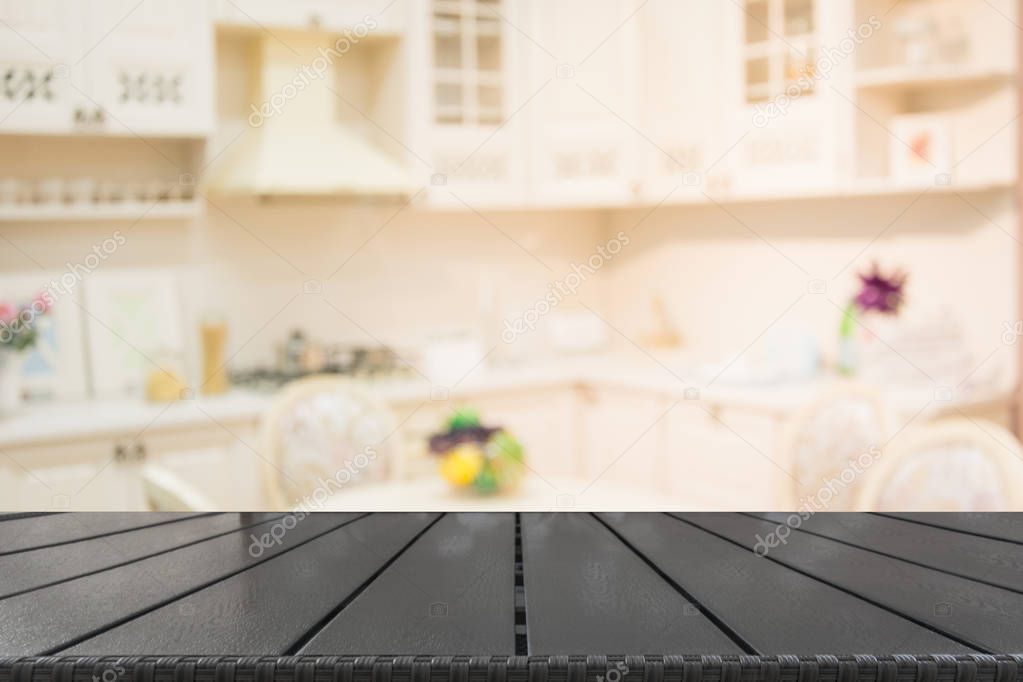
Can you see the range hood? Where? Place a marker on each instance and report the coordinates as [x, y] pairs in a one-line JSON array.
[[293, 144]]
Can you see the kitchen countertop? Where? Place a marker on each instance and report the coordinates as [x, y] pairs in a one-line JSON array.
[[103, 417]]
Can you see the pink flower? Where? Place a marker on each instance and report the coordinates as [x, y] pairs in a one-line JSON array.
[[7, 312], [42, 303]]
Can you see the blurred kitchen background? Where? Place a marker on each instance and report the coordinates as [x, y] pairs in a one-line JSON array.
[[757, 254]]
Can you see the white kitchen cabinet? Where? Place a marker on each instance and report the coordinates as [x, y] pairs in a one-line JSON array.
[[110, 67], [680, 75], [103, 472], [622, 437], [465, 87], [152, 74], [581, 76], [723, 458], [784, 104], [37, 61], [332, 16], [89, 474]]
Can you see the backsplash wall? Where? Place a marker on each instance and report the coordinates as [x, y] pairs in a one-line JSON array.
[[729, 274], [373, 273]]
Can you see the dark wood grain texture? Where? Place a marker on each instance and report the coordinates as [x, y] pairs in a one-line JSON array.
[[270, 607], [982, 559], [998, 525], [52, 619], [758, 597], [22, 533], [586, 593], [35, 568], [429, 586], [452, 591], [985, 618]]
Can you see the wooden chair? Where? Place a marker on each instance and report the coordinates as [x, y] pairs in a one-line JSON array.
[[324, 433], [956, 465], [823, 445]]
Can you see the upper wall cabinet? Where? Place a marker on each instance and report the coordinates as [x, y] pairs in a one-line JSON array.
[[109, 67], [468, 135], [332, 16], [580, 84], [680, 77], [37, 55], [786, 65], [139, 73]]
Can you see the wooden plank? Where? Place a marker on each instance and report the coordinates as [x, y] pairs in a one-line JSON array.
[[775, 609], [996, 525], [268, 609], [587, 593], [452, 591], [53, 618], [986, 618], [982, 559], [35, 568], [20, 534]]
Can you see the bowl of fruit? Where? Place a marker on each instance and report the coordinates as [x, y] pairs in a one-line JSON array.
[[478, 458]]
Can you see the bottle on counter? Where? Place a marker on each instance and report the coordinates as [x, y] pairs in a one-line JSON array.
[[213, 336]]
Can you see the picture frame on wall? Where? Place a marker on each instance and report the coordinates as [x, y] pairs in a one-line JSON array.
[[921, 150], [135, 326], [55, 368]]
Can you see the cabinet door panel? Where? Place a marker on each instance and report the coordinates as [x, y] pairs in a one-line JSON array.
[[623, 438], [722, 460], [680, 90], [151, 69], [37, 65], [102, 485], [584, 143], [473, 135]]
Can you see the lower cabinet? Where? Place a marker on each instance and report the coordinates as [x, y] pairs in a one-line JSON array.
[[723, 459], [105, 473], [622, 438]]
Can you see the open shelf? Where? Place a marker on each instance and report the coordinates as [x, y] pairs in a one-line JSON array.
[[901, 78], [127, 211]]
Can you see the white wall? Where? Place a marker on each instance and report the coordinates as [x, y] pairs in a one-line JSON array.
[[726, 283], [423, 273]]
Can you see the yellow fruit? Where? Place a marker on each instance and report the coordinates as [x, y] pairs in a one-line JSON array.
[[462, 465]]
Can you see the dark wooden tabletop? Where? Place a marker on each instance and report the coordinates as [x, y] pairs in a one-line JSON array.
[[264, 584]]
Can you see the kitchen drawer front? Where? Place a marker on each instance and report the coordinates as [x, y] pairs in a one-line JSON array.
[[81, 476], [723, 459], [622, 437]]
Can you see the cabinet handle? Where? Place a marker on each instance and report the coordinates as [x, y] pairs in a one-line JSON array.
[[120, 453], [79, 115], [140, 452], [99, 116]]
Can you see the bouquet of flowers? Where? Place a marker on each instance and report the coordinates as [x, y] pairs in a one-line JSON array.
[[19, 324], [879, 293], [19, 331], [485, 458]]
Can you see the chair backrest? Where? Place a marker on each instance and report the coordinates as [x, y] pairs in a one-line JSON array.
[[956, 465], [163, 490], [322, 434], [828, 444]]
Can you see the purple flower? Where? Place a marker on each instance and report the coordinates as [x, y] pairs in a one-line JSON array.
[[881, 293]]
